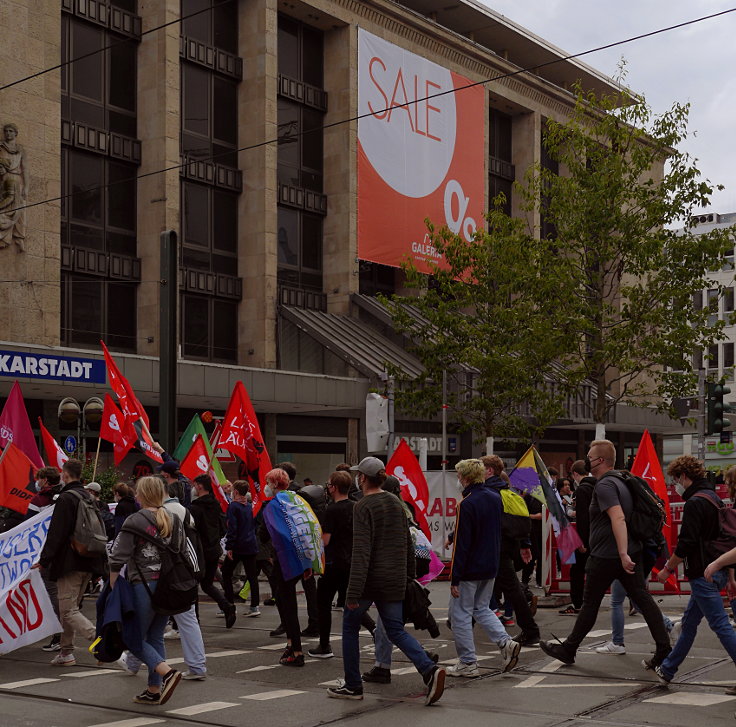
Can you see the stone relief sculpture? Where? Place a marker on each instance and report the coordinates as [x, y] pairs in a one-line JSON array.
[[13, 189]]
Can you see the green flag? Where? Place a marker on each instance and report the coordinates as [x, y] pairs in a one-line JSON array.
[[187, 440]]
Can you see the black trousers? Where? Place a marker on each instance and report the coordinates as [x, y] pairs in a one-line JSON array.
[[599, 575], [207, 584], [508, 582], [286, 604], [528, 569], [310, 594], [331, 582], [577, 578], [251, 575]]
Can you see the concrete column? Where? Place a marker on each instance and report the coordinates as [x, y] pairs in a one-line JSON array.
[[159, 108], [339, 249], [352, 449], [270, 436], [257, 219], [526, 136]]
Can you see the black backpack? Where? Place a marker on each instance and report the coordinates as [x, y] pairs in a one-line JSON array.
[[649, 515], [194, 550], [726, 539], [177, 586]]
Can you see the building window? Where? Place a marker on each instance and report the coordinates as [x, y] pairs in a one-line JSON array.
[[99, 201], [728, 355], [300, 157], [209, 328], [548, 229], [501, 172], [217, 26], [713, 356], [728, 301]]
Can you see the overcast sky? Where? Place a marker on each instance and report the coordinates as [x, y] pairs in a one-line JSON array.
[[695, 64]]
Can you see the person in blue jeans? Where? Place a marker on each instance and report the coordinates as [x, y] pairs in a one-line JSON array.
[[700, 525]]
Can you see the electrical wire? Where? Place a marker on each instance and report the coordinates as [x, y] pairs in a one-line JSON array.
[[292, 137]]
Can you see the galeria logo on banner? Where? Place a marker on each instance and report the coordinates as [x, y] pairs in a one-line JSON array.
[[420, 153]]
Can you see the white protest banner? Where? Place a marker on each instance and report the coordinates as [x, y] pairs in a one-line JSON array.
[[441, 509], [26, 614], [21, 547]]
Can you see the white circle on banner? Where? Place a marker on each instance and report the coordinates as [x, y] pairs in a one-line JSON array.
[[409, 144]]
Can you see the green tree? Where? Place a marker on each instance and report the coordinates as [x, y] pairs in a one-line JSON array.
[[481, 318], [106, 478], [624, 185]]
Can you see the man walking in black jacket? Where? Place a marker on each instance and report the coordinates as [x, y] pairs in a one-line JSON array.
[[63, 565], [700, 524], [209, 521]]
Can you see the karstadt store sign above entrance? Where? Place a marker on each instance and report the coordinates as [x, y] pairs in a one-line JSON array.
[[56, 368]]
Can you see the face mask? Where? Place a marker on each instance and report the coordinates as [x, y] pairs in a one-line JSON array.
[[587, 464], [680, 488], [267, 491]]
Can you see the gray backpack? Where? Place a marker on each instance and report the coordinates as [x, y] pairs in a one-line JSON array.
[[89, 538]]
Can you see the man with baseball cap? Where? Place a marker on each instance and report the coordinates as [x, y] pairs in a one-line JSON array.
[[382, 562], [94, 488]]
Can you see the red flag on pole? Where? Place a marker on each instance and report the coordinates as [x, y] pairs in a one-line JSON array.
[[114, 429], [15, 426], [404, 466], [17, 479], [196, 463], [241, 435], [55, 455], [129, 404]]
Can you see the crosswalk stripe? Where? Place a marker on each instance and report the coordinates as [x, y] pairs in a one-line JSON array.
[[137, 722], [27, 683], [691, 699], [214, 655], [277, 694], [331, 683], [201, 708], [90, 673], [280, 645], [403, 670], [533, 681], [258, 668]]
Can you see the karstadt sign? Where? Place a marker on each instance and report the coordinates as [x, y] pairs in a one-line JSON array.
[[58, 368]]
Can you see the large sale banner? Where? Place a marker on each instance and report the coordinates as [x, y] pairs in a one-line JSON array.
[[442, 509], [420, 153], [26, 614]]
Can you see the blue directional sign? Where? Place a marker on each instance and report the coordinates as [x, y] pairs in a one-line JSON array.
[[70, 444]]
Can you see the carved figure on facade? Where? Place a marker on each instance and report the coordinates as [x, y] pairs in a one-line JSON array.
[[13, 189]]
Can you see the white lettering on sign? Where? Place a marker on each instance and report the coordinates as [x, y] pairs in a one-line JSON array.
[[29, 365]]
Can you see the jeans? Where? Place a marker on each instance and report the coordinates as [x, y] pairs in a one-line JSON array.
[[392, 616], [508, 582], [705, 600], [192, 645], [331, 582], [251, 574], [472, 603], [71, 587], [618, 596], [207, 584], [600, 574], [152, 627]]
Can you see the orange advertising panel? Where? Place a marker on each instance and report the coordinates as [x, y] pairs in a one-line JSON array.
[[420, 153]]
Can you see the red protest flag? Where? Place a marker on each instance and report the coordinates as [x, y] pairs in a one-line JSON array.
[[404, 466], [241, 435], [55, 455], [143, 440], [17, 479], [197, 462], [129, 404], [114, 429], [15, 426]]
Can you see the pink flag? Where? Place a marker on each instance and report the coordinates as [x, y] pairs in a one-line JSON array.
[[16, 428]]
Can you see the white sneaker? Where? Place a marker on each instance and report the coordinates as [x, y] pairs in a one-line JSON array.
[[510, 653], [194, 676], [253, 612], [611, 648], [220, 614], [675, 632], [461, 669], [172, 634], [64, 660]]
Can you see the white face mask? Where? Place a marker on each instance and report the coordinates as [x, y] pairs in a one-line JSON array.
[[267, 491], [680, 488]]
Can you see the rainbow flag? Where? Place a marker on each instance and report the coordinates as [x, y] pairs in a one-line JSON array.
[[295, 533], [530, 475]]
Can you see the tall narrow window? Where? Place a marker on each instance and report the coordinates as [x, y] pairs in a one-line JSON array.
[[501, 172]]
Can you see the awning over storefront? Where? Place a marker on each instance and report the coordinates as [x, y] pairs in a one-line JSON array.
[[353, 341]]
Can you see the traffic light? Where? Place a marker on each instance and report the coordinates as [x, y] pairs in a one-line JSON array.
[[716, 408]]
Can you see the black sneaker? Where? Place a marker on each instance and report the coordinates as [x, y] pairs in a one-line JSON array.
[[663, 678], [168, 683], [147, 698], [321, 652], [377, 675], [435, 681], [230, 616], [527, 639], [53, 645], [312, 631], [433, 656], [344, 692], [269, 602], [278, 631], [292, 660], [557, 651]]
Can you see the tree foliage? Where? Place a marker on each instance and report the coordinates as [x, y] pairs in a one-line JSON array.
[[624, 185], [481, 317]]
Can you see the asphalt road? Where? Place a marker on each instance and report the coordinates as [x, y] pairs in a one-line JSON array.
[[246, 685]]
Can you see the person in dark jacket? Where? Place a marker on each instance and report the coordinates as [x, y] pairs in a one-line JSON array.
[[71, 571], [170, 472], [209, 521], [125, 504], [700, 524], [475, 558], [585, 484], [241, 546]]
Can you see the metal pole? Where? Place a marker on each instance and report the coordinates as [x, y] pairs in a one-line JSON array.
[[702, 414], [390, 444], [168, 339], [444, 458]]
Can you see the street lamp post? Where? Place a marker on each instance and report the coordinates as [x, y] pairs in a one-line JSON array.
[[89, 413]]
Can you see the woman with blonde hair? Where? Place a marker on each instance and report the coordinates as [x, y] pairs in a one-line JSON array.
[[142, 560]]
